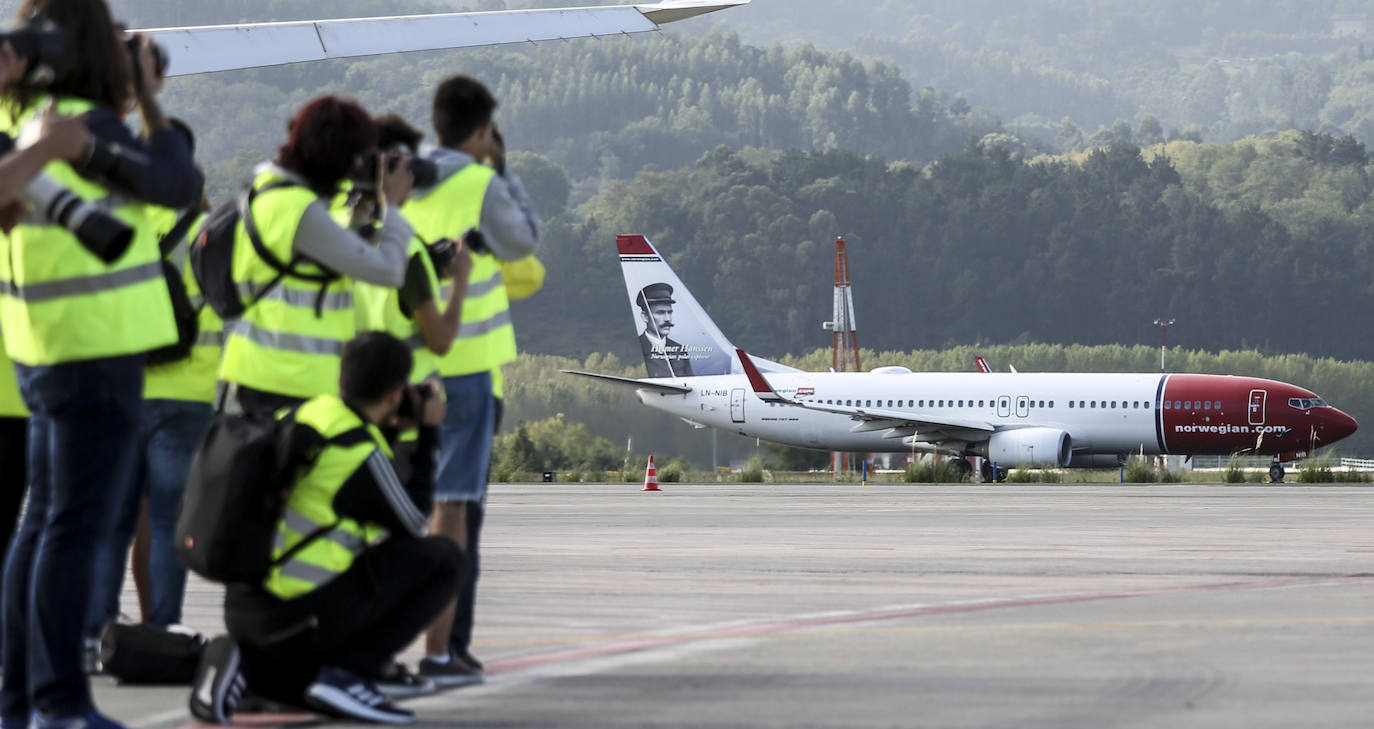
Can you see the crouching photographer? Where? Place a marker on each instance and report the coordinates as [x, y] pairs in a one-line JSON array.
[[350, 579], [77, 319]]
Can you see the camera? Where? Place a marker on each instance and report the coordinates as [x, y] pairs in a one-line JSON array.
[[43, 44], [475, 241], [423, 172], [413, 402], [441, 254], [104, 235], [160, 59]]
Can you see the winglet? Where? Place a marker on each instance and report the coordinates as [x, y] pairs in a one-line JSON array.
[[762, 389], [982, 364]]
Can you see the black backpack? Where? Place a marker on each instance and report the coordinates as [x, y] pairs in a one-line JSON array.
[[186, 314], [236, 490], [212, 256], [139, 654]]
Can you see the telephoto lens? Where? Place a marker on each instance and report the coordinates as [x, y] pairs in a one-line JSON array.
[[99, 232]]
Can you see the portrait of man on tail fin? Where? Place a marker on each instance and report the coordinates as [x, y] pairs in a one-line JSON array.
[[662, 356]]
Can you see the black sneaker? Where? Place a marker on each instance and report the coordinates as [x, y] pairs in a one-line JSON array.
[[452, 673], [400, 683], [219, 681], [471, 660], [345, 694]]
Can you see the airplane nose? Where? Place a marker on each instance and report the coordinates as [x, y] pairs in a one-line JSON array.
[[1337, 425]]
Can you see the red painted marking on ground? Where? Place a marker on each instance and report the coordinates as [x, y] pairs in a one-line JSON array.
[[781, 626]]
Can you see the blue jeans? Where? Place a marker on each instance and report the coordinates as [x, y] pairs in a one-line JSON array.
[[464, 459], [169, 434], [81, 444], [465, 438]]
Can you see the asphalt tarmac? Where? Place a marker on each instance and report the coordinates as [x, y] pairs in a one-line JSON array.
[[904, 605]]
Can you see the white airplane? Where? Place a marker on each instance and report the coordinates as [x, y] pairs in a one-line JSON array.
[[1011, 419], [211, 48]]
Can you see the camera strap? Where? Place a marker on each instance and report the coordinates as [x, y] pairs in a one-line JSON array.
[[174, 236]]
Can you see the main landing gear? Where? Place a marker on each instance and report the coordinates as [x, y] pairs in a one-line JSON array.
[[1276, 473], [962, 468]]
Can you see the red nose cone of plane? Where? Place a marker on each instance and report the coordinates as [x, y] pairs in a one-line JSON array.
[[1335, 425]]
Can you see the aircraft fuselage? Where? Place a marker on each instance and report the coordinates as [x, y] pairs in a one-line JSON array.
[[1102, 413]]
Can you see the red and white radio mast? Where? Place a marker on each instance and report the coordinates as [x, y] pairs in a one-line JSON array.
[[845, 335]]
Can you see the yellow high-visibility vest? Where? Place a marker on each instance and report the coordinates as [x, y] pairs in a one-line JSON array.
[[486, 337], [58, 301], [310, 507], [289, 341], [11, 403], [191, 379]]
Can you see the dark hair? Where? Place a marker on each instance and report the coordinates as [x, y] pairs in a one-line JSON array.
[[101, 70], [325, 140], [374, 364], [393, 129], [461, 105]]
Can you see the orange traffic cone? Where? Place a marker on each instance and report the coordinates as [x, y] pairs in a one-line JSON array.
[[650, 476]]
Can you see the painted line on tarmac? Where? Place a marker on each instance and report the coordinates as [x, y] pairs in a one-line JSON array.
[[507, 672]]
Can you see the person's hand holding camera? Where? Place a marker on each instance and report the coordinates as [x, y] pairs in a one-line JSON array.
[[434, 407], [460, 268], [393, 177], [66, 136]]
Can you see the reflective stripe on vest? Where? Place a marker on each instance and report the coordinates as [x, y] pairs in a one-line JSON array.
[[485, 337], [310, 506], [59, 302], [288, 342], [191, 379]]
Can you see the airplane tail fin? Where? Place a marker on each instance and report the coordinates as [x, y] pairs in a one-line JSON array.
[[676, 335]]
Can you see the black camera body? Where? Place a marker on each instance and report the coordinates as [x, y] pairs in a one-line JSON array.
[[475, 241], [441, 254], [413, 402], [43, 45], [423, 172]]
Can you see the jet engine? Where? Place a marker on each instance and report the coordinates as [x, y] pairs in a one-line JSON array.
[[1030, 447]]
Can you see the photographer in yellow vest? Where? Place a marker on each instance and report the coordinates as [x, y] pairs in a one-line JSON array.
[[285, 348], [354, 578], [78, 314], [473, 192]]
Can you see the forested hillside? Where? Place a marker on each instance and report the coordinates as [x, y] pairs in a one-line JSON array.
[[980, 247]]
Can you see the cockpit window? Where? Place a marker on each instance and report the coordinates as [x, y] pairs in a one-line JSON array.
[[1306, 403]]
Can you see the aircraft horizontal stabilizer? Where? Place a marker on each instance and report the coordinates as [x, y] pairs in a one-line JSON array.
[[211, 48], [659, 387]]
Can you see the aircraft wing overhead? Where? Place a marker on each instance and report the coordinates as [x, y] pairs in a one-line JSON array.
[[879, 418], [211, 48]]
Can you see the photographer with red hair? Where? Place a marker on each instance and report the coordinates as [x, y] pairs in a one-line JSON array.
[[285, 348]]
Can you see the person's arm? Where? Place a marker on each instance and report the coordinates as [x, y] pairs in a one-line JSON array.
[[345, 252], [60, 138], [439, 330], [375, 494], [509, 222], [159, 171]]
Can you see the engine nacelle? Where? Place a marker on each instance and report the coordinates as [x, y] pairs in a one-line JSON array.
[[1030, 447]]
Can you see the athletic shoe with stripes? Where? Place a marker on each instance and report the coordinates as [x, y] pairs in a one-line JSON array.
[[219, 681], [401, 683], [345, 694]]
